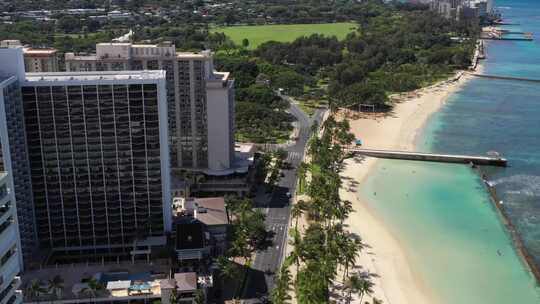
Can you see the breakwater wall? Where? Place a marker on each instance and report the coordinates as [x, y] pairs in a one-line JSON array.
[[516, 238], [505, 77]]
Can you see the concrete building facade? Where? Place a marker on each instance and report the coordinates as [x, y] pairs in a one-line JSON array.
[[200, 100], [10, 248], [14, 152]]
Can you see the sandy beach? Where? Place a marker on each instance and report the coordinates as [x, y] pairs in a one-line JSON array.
[[395, 281]]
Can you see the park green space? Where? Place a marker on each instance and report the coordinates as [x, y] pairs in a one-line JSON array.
[[258, 34]]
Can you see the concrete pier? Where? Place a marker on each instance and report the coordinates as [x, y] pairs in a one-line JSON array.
[[444, 158], [505, 77]]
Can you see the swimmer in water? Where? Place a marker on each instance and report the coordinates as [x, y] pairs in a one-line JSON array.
[[499, 252]]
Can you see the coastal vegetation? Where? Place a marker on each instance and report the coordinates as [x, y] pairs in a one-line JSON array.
[[324, 252], [349, 52], [258, 34], [393, 50], [247, 235]]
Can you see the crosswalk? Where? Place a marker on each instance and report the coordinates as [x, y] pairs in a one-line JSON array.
[[294, 156]]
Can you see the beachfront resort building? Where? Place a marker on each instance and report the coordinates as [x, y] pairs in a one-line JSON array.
[[97, 156], [200, 100], [98, 150]]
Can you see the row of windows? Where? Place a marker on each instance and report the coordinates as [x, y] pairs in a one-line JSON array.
[[95, 165]]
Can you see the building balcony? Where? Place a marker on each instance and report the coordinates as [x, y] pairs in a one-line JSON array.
[[11, 268], [5, 211], [8, 235]]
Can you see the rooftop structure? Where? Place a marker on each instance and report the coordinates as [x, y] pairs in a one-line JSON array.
[[116, 283], [201, 227], [89, 77], [35, 60], [209, 211]]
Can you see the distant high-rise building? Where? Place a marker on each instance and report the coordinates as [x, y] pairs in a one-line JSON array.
[[10, 251], [99, 155], [40, 60], [457, 9], [200, 100]]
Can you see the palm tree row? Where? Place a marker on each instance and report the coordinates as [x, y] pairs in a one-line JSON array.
[[325, 248], [247, 235]]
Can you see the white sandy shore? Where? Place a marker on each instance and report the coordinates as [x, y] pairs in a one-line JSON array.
[[395, 281]]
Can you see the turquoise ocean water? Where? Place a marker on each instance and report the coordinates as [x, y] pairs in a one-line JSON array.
[[442, 213]]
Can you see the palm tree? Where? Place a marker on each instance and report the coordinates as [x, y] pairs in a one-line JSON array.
[[297, 248], [297, 211], [93, 287], [173, 298], [350, 250], [228, 268], [56, 285], [353, 285], [199, 297], [280, 293], [35, 290], [302, 171], [365, 287], [343, 210]]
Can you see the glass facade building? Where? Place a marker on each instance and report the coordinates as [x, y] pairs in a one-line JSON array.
[[98, 151]]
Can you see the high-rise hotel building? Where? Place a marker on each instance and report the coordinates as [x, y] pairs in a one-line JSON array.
[[200, 100], [98, 155], [10, 241]]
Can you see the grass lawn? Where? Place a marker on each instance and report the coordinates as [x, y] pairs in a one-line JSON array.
[[257, 34]]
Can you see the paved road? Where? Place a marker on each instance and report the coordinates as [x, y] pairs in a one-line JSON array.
[[277, 209]]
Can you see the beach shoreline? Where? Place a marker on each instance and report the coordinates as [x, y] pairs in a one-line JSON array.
[[395, 280]]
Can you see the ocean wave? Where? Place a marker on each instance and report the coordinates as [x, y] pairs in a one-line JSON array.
[[520, 184], [504, 7]]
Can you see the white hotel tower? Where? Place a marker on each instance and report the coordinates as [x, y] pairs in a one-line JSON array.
[[10, 241], [200, 100], [10, 247]]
